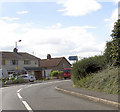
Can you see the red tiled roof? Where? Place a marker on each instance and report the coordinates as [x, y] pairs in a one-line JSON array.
[[50, 62]]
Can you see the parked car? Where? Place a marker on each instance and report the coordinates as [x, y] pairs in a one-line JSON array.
[[28, 77]]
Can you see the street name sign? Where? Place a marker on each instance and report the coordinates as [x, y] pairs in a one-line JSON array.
[[72, 58]]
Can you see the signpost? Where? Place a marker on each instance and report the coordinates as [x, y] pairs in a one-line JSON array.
[[73, 58]]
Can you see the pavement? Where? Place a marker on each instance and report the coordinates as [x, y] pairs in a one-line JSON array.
[[101, 97]]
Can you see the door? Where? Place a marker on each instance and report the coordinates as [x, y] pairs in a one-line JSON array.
[[38, 74]]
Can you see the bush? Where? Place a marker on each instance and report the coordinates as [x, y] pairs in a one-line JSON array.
[[4, 79], [48, 78], [54, 74], [87, 66], [12, 78]]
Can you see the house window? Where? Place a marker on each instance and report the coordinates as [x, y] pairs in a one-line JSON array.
[[3, 62], [35, 62], [14, 62], [27, 62]]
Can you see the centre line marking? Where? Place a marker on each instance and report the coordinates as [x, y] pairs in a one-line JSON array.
[[19, 90], [27, 106], [19, 95]]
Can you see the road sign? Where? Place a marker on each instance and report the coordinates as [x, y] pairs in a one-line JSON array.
[[72, 58]]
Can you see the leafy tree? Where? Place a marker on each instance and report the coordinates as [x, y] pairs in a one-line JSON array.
[[112, 51], [116, 31]]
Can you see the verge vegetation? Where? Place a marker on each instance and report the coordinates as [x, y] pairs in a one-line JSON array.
[[103, 81], [101, 72]]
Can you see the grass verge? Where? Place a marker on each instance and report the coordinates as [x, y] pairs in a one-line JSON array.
[[104, 81]]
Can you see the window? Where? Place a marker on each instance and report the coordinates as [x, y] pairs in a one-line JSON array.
[[35, 63], [3, 62], [27, 62], [14, 62]]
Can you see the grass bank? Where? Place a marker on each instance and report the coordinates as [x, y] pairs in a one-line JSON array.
[[103, 81]]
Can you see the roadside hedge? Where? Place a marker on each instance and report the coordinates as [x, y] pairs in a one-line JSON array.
[[87, 66]]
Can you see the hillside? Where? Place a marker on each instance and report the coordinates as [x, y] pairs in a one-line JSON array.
[[103, 81]]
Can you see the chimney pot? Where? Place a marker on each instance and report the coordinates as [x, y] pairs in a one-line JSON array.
[[15, 50], [48, 56]]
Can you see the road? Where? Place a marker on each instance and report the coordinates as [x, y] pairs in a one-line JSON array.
[[43, 96]]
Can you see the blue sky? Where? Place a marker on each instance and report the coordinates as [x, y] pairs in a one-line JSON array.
[[60, 28]]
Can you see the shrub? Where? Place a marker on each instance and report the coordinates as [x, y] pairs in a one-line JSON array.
[[87, 66], [48, 78], [4, 79], [12, 78], [21, 80], [54, 74]]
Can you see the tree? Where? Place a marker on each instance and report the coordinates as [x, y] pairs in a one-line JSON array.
[[112, 51], [116, 30]]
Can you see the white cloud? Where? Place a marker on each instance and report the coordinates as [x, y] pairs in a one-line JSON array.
[[78, 7], [28, 0], [106, 20], [9, 18], [89, 27], [58, 25], [114, 18], [74, 40], [116, 1], [22, 12]]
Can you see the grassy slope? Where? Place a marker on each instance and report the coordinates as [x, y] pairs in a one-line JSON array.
[[104, 81]]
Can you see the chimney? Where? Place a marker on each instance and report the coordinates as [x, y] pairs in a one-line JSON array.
[[15, 50], [48, 56]]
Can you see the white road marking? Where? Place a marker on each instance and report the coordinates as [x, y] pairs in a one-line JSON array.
[[19, 90], [27, 106], [19, 96], [24, 102]]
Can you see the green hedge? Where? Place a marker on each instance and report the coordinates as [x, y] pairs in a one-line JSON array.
[[87, 66]]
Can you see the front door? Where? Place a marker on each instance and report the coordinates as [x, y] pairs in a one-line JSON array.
[[38, 74]]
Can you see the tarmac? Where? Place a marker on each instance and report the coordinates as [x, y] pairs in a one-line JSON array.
[[101, 97]]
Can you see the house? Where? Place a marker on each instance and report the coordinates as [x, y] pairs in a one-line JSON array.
[[51, 64], [19, 62]]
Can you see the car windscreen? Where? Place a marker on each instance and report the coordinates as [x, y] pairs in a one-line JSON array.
[[67, 70]]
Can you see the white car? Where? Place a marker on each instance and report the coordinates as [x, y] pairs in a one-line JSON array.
[[28, 77]]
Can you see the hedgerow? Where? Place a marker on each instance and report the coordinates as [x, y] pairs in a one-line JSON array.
[[87, 66]]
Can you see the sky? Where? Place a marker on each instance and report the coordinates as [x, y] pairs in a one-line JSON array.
[[57, 27]]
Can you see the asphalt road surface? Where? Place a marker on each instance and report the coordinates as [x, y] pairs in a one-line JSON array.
[[43, 96]]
